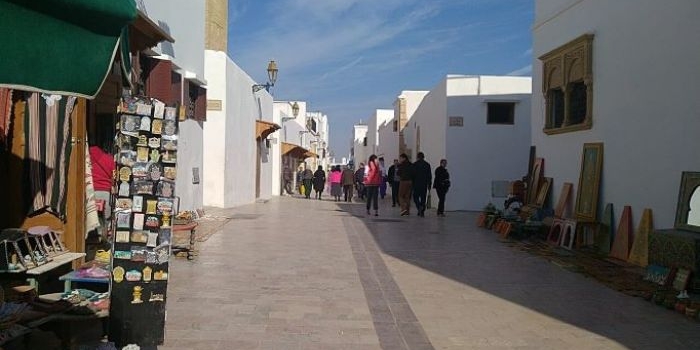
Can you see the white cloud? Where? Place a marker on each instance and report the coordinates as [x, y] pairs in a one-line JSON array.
[[527, 70]]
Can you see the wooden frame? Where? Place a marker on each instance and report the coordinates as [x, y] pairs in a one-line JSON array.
[[543, 191], [588, 192], [535, 179], [690, 187], [563, 199]]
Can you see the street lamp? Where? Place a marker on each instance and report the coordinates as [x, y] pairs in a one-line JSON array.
[[271, 78], [295, 112]]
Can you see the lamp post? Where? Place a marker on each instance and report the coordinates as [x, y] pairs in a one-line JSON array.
[[271, 78]]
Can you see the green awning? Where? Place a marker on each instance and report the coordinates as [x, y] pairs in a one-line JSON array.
[[61, 47]]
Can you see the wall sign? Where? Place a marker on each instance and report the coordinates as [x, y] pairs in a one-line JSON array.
[[214, 105], [456, 121]]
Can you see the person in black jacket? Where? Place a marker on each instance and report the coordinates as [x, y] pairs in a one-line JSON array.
[[394, 179], [441, 185], [405, 172], [422, 178]]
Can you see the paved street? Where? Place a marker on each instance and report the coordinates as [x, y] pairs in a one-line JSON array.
[[306, 274]]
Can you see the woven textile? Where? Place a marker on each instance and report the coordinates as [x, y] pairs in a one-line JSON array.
[[48, 148]]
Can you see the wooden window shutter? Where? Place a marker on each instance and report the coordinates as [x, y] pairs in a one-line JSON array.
[[176, 88], [200, 108], [159, 82]]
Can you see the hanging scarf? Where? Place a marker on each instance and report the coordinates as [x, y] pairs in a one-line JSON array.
[[48, 149], [5, 111], [92, 220]]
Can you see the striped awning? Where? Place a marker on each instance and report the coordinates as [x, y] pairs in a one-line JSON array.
[[263, 129]]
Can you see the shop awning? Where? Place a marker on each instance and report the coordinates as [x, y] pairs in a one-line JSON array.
[[60, 46], [295, 151], [144, 33], [263, 129], [310, 154]]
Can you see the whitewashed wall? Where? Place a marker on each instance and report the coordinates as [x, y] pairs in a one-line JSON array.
[[645, 101], [229, 135], [479, 153], [388, 141], [267, 175], [413, 100], [361, 151], [379, 118], [184, 20]]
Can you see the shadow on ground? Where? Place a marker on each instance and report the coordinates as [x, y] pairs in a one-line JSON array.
[[455, 248]]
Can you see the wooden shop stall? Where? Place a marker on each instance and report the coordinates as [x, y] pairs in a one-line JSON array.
[[63, 71]]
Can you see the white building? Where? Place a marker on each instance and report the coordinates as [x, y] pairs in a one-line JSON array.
[[388, 140], [295, 138], [185, 20], [318, 137], [358, 145], [238, 168], [631, 68], [404, 107], [379, 119], [481, 125]]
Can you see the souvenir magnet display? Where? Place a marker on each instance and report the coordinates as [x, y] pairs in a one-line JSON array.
[[154, 142], [118, 274], [147, 274], [123, 204], [170, 172], [125, 174], [152, 240], [122, 237], [139, 237], [133, 276], [140, 170], [151, 206], [124, 189], [156, 297], [143, 108], [157, 127], [154, 171], [170, 113], [160, 275], [122, 254], [137, 295], [152, 221], [155, 156], [145, 124], [138, 221], [138, 254], [143, 141], [137, 204], [158, 109], [123, 220], [142, 154]]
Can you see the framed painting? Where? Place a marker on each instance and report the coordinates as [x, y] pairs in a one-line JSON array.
[[535, 179], [589, 182], [688, 209], [543, 191], [563, 199]]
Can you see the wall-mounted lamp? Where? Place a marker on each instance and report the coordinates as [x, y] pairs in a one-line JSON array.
[[295, 112], [271, 78]]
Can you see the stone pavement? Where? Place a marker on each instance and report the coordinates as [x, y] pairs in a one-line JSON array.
[[307, 274]]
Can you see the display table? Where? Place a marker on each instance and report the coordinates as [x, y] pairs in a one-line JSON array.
[[74, 276], [675, 248], [191, 228]]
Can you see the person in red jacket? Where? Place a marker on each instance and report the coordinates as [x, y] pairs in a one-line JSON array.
[[102, 169], [373, 179]]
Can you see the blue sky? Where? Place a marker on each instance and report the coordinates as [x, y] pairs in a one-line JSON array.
[[350, 57]]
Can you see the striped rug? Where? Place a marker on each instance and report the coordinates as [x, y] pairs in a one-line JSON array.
[[48, 149]]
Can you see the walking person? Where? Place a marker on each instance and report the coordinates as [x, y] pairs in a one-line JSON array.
[[382, 187], [359, 181], [335, 178], [319, 181], [441, 185], [308, 179], [347, 180], [287, 176], [300, 180], [393, 179], [422, 179], [372, 182], [405, 171]]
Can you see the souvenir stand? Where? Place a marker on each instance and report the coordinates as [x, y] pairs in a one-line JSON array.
[[143, 207]]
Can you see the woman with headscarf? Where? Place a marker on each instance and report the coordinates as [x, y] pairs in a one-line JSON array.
[[372, 182], [319, 181], [335, 179]]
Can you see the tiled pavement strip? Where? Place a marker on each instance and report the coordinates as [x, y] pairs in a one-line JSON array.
[[305, 274]]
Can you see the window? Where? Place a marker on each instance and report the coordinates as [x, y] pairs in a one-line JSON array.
[[364, 141], [501, 113], [396, 125], [567, 85]]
